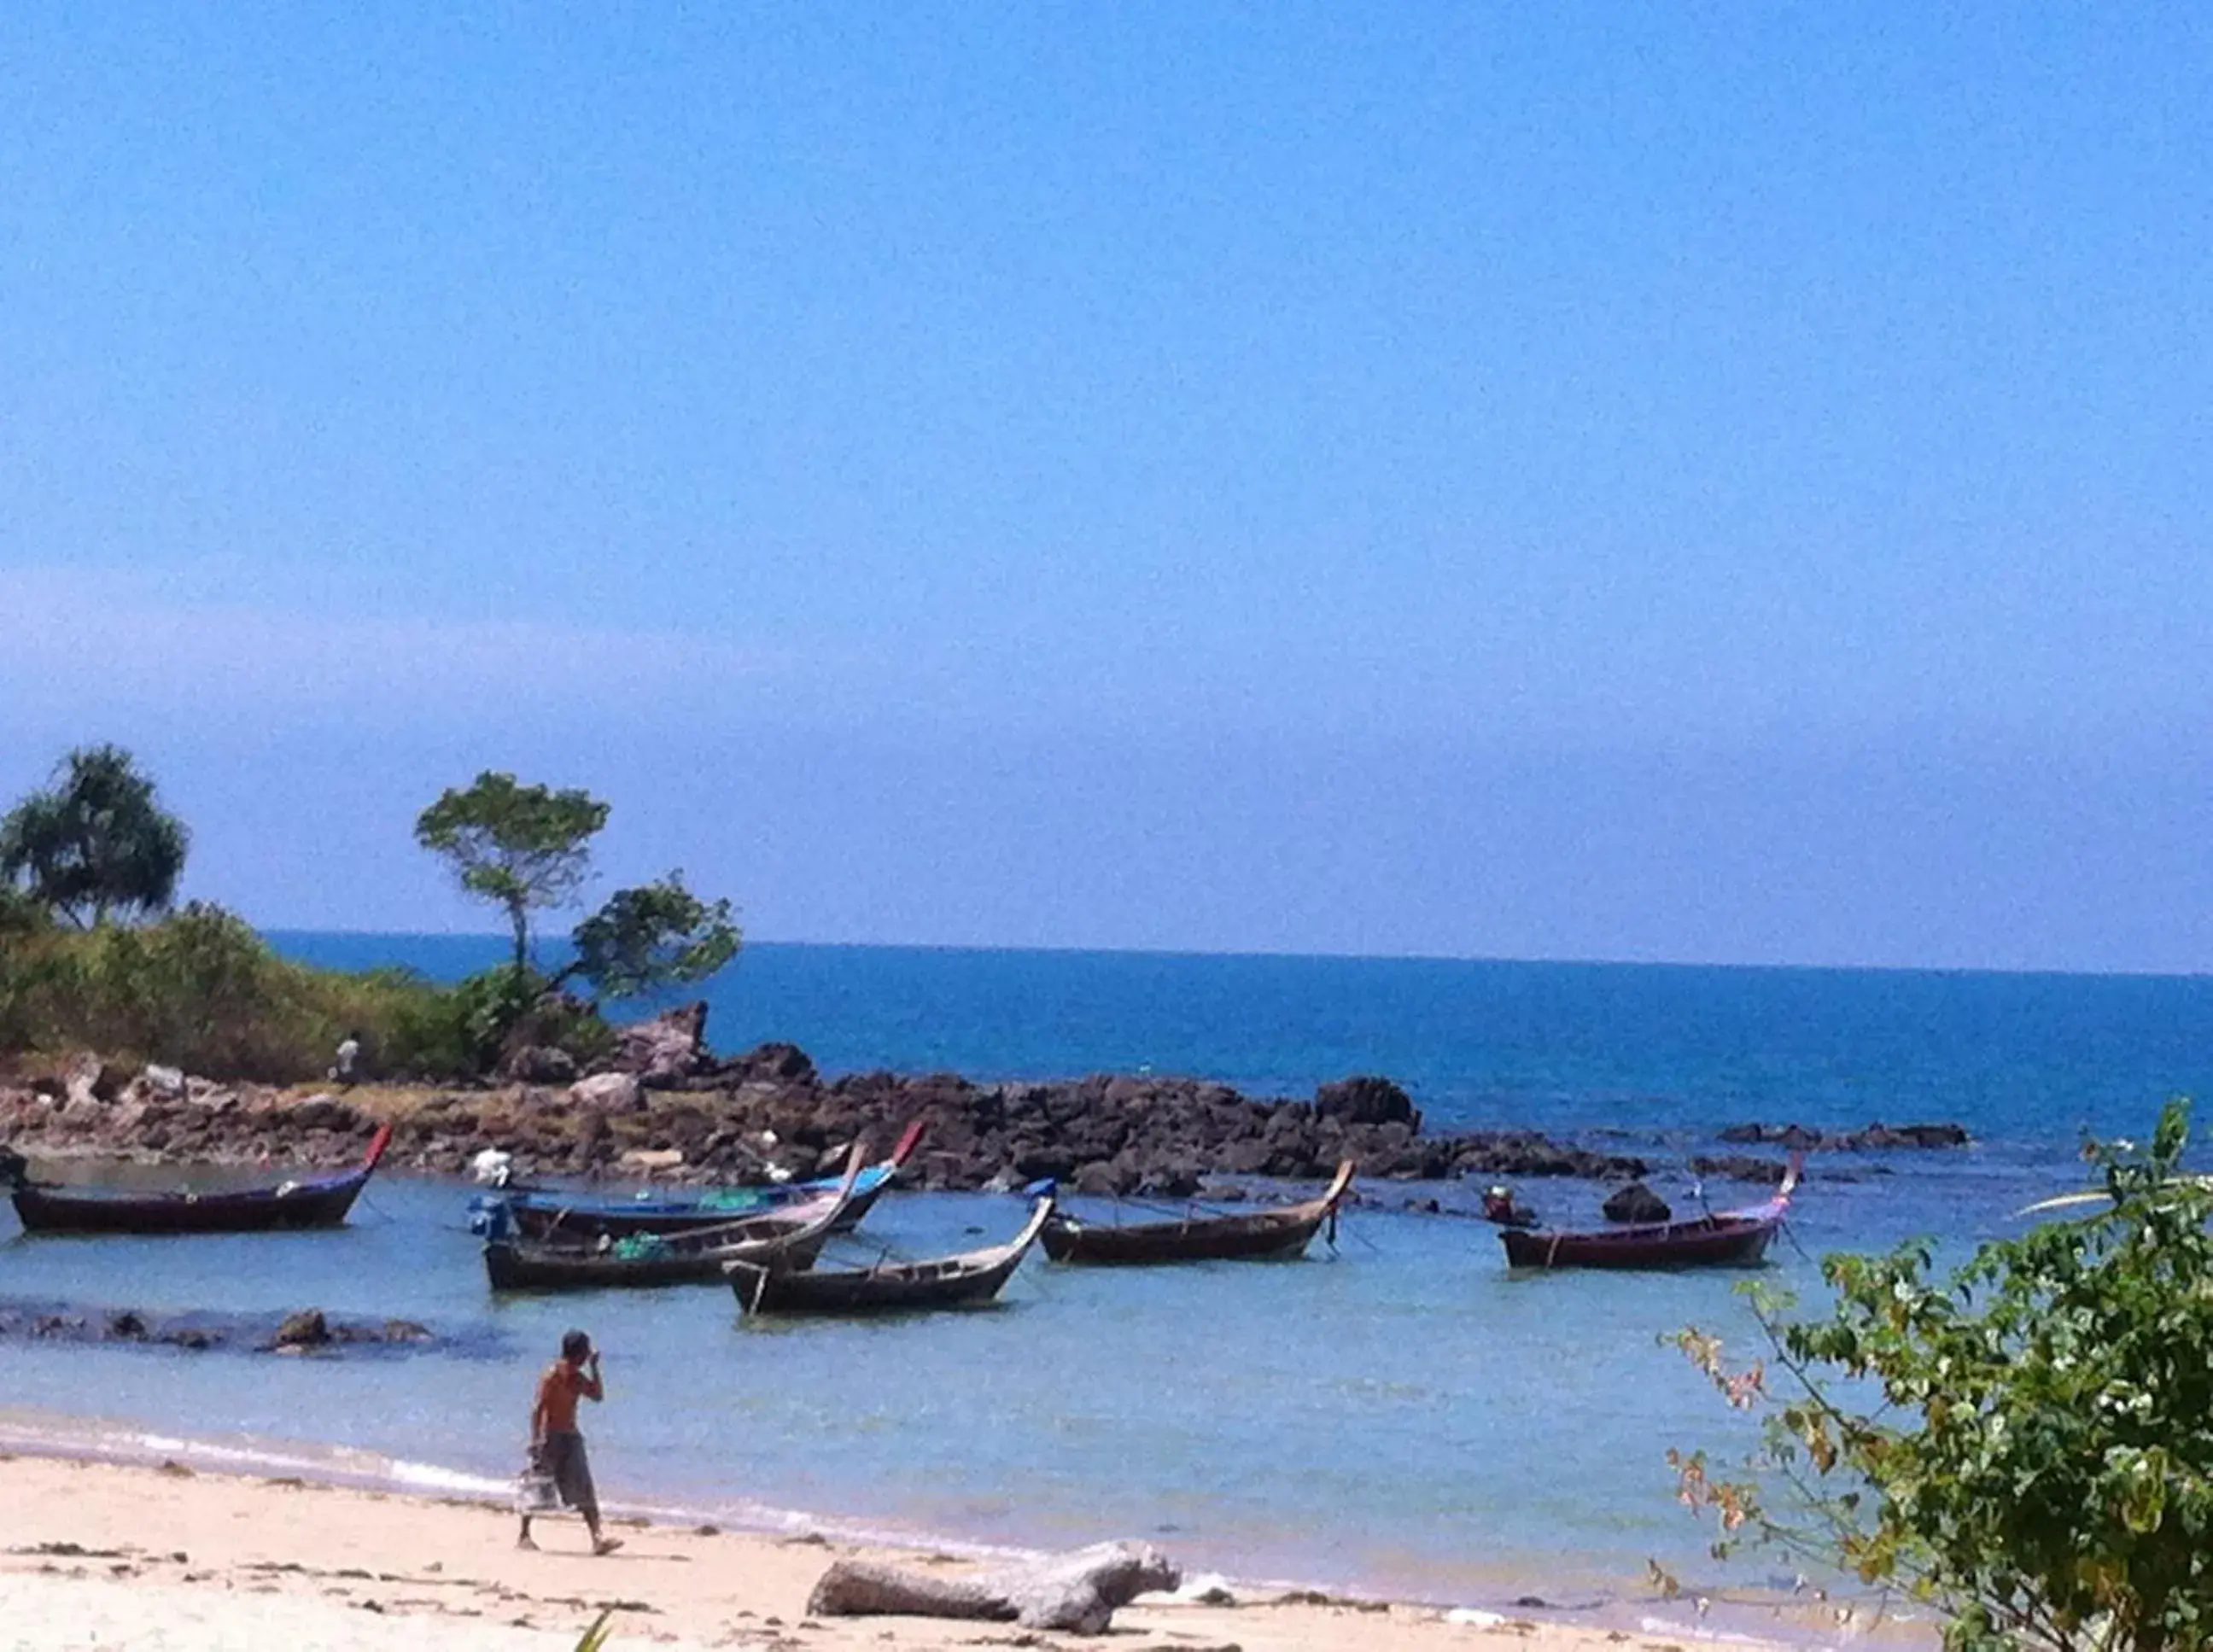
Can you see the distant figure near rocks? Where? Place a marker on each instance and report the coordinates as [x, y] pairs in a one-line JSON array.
[[346, 1072]]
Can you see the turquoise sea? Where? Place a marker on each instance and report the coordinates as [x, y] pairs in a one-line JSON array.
[[1400, 1416]]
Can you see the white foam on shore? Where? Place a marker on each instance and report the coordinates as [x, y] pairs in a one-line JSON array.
[[31, 1431]]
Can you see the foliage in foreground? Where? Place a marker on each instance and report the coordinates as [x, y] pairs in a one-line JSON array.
[[2040, 1464]]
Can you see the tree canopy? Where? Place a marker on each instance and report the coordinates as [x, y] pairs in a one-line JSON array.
[[2041, 1463], [652, 937], [96, 844], [523, 848]]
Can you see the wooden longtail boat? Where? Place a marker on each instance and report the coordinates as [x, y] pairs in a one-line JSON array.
[[971, 1278], [319, 1201], [539, 1211], [1250, 1235], [792, 1238], [1727, 1239]]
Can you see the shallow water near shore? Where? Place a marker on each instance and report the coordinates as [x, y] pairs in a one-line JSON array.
[[1401, 1417]]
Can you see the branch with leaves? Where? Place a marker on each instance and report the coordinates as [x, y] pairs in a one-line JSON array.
[[2040, 1463]]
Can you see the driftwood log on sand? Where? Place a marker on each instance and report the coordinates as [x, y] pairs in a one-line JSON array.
[[1078, 1591]]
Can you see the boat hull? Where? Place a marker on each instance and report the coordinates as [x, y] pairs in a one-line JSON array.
[[792, 1239], [541, 1213], [1137, 1244], [1709, 1242], [46, 1211], [319, 1201], [512, 1265], [968, 1280], [1260, 1235]]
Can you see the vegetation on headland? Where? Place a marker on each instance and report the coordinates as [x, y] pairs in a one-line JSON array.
[[93, 956], [2028, 1445]]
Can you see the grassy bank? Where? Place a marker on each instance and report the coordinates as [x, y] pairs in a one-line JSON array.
[[201, 990]]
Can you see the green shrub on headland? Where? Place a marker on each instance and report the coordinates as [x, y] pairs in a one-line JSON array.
[[199, 989]]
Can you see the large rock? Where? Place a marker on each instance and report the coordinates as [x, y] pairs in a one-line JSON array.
[[772, 1064], [1741, 1167], [665, 1050], [1367, 1099], [1637, 1203], [609, 1092], [305, 1329]]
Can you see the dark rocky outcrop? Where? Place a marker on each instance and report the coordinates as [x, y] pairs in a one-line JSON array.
[[1741, 1167], [1366, 1101], [1637, 1203], [1805, 1139], [667, 1108]]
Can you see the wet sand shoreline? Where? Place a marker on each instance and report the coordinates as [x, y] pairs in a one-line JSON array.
[[168, 1556]]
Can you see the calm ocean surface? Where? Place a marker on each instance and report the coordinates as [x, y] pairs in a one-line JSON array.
[[1401, 1415]]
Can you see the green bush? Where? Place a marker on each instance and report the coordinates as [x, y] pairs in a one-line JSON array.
[[509, 1008], [202, 990], [2027, 1445]]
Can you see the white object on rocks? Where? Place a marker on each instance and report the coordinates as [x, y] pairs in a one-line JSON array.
[[81, 1079], [492, 1167], [166, 1081]]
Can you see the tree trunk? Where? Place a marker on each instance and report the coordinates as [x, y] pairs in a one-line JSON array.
[[1077, 1591], [518, 916]]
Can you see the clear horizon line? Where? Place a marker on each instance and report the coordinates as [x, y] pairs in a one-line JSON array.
[[2016, 971]]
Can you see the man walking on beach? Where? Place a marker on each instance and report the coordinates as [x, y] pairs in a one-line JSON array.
[[557, 1449]]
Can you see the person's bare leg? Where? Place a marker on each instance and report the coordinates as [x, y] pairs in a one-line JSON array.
[[522, 1539], [601, 1545]]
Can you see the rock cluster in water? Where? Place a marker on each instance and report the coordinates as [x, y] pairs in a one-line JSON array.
[[307, 1332], [665, 1108], [1803, 1139]]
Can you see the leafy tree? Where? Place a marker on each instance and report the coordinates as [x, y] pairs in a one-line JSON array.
[[97, 844], [2040, 1464], [652, 936], [523, 848]]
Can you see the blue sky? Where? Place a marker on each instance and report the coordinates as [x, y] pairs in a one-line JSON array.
[[1713, 483]]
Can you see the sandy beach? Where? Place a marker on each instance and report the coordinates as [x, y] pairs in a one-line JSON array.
[[106, 1555]]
